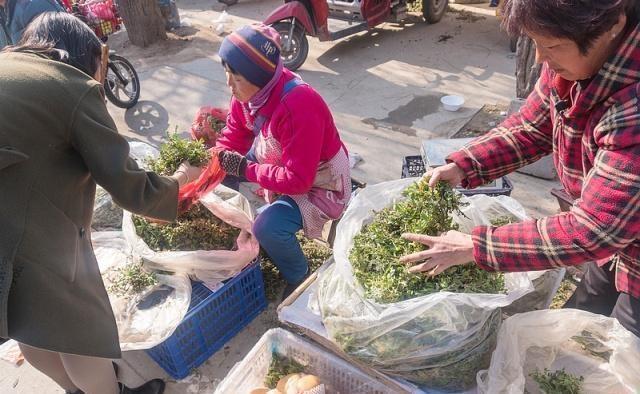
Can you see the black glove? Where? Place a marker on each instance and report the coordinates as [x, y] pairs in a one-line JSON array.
[[233, 163]]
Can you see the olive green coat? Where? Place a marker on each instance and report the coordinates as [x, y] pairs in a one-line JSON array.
[[57, 141]]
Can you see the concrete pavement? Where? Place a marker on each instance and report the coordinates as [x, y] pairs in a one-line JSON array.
[[383, 87]]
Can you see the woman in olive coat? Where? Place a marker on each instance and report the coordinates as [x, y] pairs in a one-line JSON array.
[[57, 141]]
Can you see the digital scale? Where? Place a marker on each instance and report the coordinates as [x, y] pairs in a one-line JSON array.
[[435, 151]]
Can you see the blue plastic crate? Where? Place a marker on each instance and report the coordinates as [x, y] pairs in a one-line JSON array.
[[212, 320]]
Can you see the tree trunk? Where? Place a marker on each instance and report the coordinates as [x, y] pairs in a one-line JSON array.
[[527, 71], [143, 20]]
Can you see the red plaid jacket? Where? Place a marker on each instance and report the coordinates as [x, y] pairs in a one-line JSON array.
[[595, 144]]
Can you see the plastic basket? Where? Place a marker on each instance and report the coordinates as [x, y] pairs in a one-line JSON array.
[[213, 319], [106, 28], [101, 15], [334, 372], [413, 166]]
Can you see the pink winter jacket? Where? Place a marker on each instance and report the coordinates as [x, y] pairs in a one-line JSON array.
[[303, 125]]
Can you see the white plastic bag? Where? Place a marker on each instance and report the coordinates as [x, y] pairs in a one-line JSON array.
[[584, 344], [141, 151], [11, 353], [221, 22], [482, 210], [439, 340], [148, 318], [208, 266]]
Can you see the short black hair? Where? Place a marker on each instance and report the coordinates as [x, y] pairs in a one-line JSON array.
[[62, 37], [226, 66], [581, 21]]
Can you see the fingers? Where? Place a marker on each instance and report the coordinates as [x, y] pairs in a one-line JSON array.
[[427, 266], [434, 178], [413, 257], [420, 238], [432, 267]]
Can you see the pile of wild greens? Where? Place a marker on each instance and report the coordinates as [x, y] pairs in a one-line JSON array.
[[378, 247], [279, 368], [558, 382], [131, 279], [195, 229], [431, 331], [315, 252], [175, 151]]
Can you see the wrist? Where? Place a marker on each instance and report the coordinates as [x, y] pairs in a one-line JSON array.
[[181, 177]]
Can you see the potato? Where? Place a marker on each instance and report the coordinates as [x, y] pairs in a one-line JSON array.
[[261, 390], [307, 383], [283, 383]]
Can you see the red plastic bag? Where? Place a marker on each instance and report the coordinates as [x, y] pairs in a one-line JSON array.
[[212, 175], [208, 125], [102, 10]]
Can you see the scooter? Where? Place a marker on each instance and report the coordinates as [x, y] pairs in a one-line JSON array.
[[121, 84], [296, 19]]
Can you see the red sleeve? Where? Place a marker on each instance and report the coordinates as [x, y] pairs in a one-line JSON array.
[[600, 224]]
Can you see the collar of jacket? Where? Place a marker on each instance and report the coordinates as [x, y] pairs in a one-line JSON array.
[[621, 70]]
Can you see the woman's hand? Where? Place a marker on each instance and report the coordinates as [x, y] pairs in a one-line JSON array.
[[448, 250], [186, 173], [450, 173], [232, 163]]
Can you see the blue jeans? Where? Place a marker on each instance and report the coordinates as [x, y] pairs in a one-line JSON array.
[[276, 228]]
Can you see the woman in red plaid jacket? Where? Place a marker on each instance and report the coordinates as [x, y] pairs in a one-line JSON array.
[[585, 112]]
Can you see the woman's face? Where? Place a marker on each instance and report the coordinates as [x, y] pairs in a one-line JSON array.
[[563, 56], [241, 89]]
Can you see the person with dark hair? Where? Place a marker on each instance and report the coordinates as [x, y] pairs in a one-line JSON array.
[[281, 135], [57, 140], [15, 15], [584, 112]]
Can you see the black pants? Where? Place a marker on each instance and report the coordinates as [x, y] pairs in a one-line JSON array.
[[597, 293]]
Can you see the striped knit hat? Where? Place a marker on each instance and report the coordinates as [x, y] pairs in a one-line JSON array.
[[253, 52]]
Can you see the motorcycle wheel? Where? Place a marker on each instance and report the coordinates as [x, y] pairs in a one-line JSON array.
[[433, 10], [122, 94], [296, 54]]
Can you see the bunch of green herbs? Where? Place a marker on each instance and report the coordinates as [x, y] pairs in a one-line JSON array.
[[176, 150], [315, 252], [378, 247], [131, 279], [557, 382], [196, 229], [279, 368]]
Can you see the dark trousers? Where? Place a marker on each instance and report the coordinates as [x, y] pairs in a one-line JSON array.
[[597, 293]]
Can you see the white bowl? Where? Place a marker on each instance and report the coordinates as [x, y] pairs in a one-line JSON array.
[[452, 103]]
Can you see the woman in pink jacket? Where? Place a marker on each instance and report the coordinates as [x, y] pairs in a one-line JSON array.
[[280, 134]]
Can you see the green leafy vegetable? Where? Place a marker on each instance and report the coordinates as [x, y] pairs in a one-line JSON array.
[[175, 151], [378, 247], [315, 252], [132, 279], [196, 229], [558, 382], [280, 367]]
